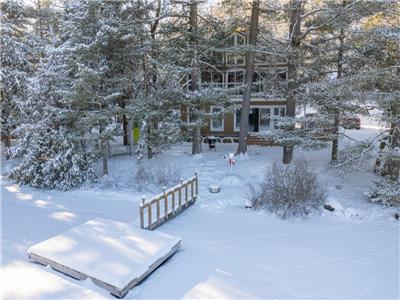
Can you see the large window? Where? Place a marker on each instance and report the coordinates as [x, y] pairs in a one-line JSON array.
[[237, 119], [260, 118], [265, 119], [235, 79], [211, 79], [217, 120], [191, 116]]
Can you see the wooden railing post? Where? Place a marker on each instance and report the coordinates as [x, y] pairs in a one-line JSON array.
[[180, 194], [173, 202], [149, 214], [165, 202], [141, 213], [158, 211], [197, 184], [191, 190], [186, 195]]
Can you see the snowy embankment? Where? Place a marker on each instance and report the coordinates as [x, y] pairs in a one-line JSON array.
[[227, 251]]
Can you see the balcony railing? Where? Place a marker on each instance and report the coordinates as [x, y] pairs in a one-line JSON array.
[[236, 88]]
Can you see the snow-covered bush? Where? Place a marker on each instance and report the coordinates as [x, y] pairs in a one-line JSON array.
[[147, 176], [51, 159], [386, 192], [289, 191], [168, 176], [144, 177]]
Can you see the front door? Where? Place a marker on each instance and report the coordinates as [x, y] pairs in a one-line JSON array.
[[264, 119], [253, 120]]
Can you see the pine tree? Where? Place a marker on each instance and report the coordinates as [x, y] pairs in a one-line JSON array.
[[78, 91], [16, 66]]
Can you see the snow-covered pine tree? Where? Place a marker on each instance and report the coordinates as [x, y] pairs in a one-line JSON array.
[[330, 51], [45, 17], [315, 47], [78, 91], [377, 80], [16, 66]]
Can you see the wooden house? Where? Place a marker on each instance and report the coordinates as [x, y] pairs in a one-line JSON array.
[[228, 72]]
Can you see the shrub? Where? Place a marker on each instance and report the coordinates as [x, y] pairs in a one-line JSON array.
[[168, 176], [289, 191], [144, 177], [147, 176], [386, 192]]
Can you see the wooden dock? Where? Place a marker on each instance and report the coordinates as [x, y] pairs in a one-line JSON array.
[[115, 256]]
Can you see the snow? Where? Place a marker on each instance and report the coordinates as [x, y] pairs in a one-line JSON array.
[[227, 251], [113, 252]]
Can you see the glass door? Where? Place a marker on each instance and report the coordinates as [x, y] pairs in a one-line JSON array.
[[265, 119]]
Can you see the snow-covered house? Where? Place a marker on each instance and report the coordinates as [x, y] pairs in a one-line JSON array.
[[227, 70]]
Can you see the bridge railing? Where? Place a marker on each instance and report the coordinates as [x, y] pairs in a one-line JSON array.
[[159, 209]]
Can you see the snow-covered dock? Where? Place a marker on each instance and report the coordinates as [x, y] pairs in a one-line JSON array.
[[114, 255]]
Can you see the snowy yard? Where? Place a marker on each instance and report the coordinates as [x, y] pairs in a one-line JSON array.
[[227, 251]]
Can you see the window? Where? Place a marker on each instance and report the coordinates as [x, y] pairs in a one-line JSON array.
[[235, 80], [230, 59], [206, 77], [191, 117], [237, 119], [265, 119], [232, 41], [256, 86], [282, 75], [240, 40], [217, 120], [218, 79], [240, 59]]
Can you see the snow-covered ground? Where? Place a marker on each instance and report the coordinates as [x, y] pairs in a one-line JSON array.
[[227, 251]]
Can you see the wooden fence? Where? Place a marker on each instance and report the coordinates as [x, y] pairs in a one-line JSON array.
[[157, 210]]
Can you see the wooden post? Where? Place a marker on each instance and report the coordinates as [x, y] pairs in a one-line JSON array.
[[141, 213], [180, 194], [165, 202], [191, 190], [158, 211], [130, 136], [186, 194], [197, 183], [173, 203], [149, 214]]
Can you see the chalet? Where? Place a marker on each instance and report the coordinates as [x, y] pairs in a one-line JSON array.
[[227, 71]]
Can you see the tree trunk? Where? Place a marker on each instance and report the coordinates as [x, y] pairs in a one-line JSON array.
[[294, 44], [105, 151], [395, 127], [149, 150], [248, 80], [335, 141], [125, 130], [196, 133], [130, 135], [196, 143]]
